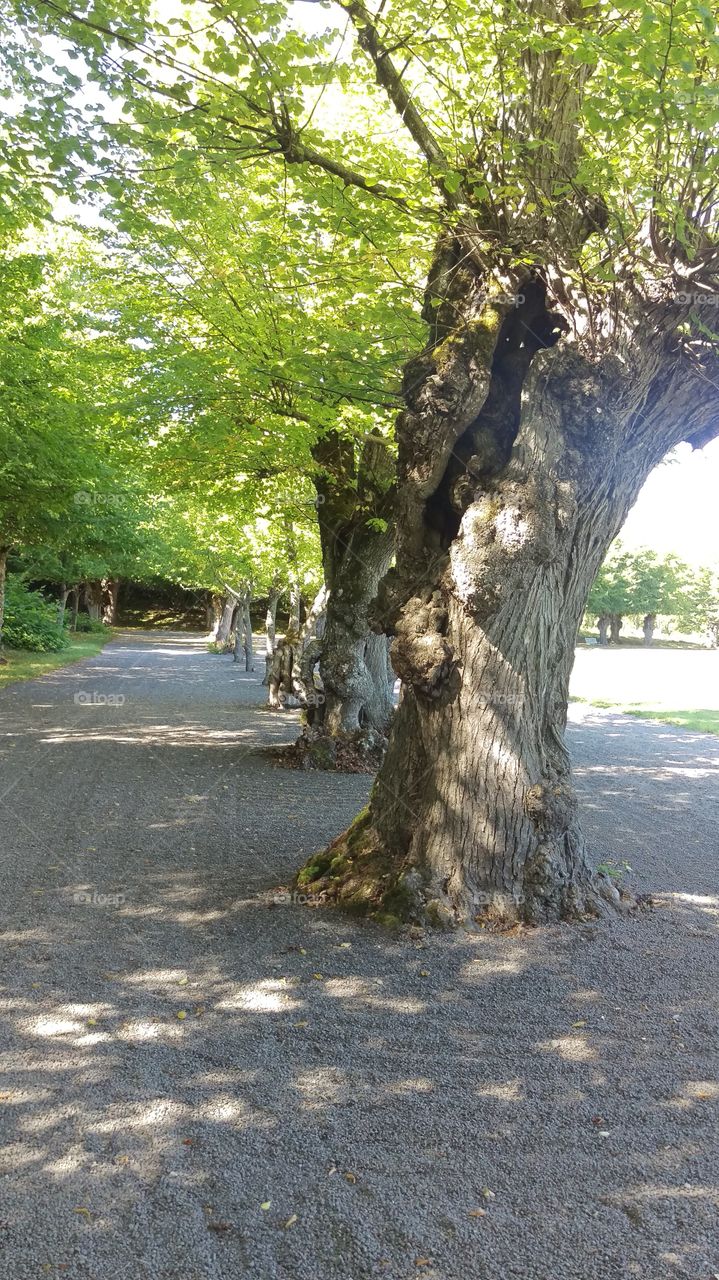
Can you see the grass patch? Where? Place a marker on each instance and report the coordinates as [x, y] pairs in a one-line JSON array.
[[701, 720], [698, 719], [22, 665]]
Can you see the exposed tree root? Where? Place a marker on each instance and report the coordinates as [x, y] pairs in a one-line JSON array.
[[361, 752], [357, 874]]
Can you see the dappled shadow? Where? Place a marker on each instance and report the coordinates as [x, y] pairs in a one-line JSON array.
[[206, 1079]]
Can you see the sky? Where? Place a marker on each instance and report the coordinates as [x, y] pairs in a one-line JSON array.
[[678, 508]]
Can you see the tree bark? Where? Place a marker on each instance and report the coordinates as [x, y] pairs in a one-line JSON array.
[[271, 629], [519, 458], [291, 669], [650, 622], [243, 630], [224, 627], [110, 591], [213, 613], [61, 603], [92, 597], [3, 576], [602, 627], [75, 593], [357, 544], [615, 626]]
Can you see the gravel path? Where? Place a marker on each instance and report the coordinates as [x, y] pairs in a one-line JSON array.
[[199, 1084]]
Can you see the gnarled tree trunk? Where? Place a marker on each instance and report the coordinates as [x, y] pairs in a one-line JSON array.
[[110, 593], [520, 456], [603, 628], [354, 511], [648, 626], [615, 626]]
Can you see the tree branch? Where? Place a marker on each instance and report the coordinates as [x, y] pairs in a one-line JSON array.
[[392, 82]]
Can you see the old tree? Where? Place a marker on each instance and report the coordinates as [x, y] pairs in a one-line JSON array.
[[561, 160], [571, 344]]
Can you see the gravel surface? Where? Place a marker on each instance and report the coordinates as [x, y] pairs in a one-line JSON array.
[[202, 1084]]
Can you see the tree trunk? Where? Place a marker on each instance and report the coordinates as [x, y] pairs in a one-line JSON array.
[[295, 614], [357, 545], [291, 669], [75, 594], [3, 574], [243, 630], [110, 593], [295, 606], [519, 457], [271, 629], [648, 626], [356, 679], [615, 626], [213, 615], [603, 626], [224, 627], [92, 597], [61, 603]]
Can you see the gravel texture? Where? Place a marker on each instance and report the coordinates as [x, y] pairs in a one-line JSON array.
[[201, 1084]]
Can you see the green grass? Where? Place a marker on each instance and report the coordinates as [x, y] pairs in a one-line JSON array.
[[699, 719], [702, 720], [22, 665]]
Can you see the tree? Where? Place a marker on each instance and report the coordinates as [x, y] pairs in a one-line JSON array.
[[657, 588], [562, 161], [610, 595]]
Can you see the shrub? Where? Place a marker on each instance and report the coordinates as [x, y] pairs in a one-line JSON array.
[[30, 622], [85, 623]]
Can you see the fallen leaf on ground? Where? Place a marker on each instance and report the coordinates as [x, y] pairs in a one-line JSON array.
[[181, 1013], [219, 1226], [300, 1024], [265, 1205], [424, 973], [85, 1213], [291, 1220], [488, 1195], [581, 1023], [345, 944], [423, 1262], [350, 1177], [477, 1213], [199, 1010], [182, 982], [318, 976]]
